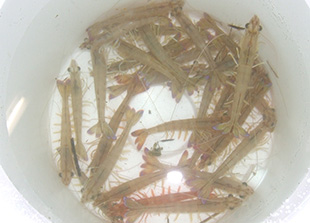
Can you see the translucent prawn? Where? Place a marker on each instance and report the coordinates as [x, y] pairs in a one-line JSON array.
[[135, 14], [99, 73], [129, 187], [247, 144], [104, 145], [195, 177], [66, 162], [248, 53], [178, 125], [76, 95], [119, 210], [157, 50], [215, 205], [103, 171]]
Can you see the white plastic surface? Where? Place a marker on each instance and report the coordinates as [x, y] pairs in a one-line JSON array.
[[39, 37]]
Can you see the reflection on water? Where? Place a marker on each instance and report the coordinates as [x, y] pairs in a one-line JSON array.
[[14, 113]]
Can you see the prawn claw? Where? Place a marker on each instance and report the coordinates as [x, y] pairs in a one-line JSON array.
[[141, 135]]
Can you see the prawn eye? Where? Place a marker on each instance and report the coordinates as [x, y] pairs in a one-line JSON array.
[[78, 68], [69, 69], [119, 218], [247, 26], [60, 175]]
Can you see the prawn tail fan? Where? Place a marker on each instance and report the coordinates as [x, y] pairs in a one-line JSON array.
[[176, 92], [116, 90], [190, 89], [104, 130], [205, 192], [224, 127], [95, 130], [107, 131], [200, 186], [123, 79], [133, 116], [151, 163], [192, 140], [81, 151], [239, 131], [133, 212], [184, 159], [64, 87], [141, 135], [195, 183]]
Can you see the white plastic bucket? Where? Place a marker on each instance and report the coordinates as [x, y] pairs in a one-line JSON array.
[[37, 36]]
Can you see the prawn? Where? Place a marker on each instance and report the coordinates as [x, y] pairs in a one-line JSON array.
[[99, 74], [181, 125], [146, 178], [192, 206], [207, 95], [104, 145], [248, 53], [109, 36], [194, 177], [103, 171], [129, 187], [127, 50], [119, 210], [132, 15], [157, 50], [224, 40], [66, 162], [259, 92], [193, 32], [76, 95], [239, 153]]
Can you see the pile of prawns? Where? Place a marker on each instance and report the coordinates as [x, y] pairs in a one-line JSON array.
[[198, 57]]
